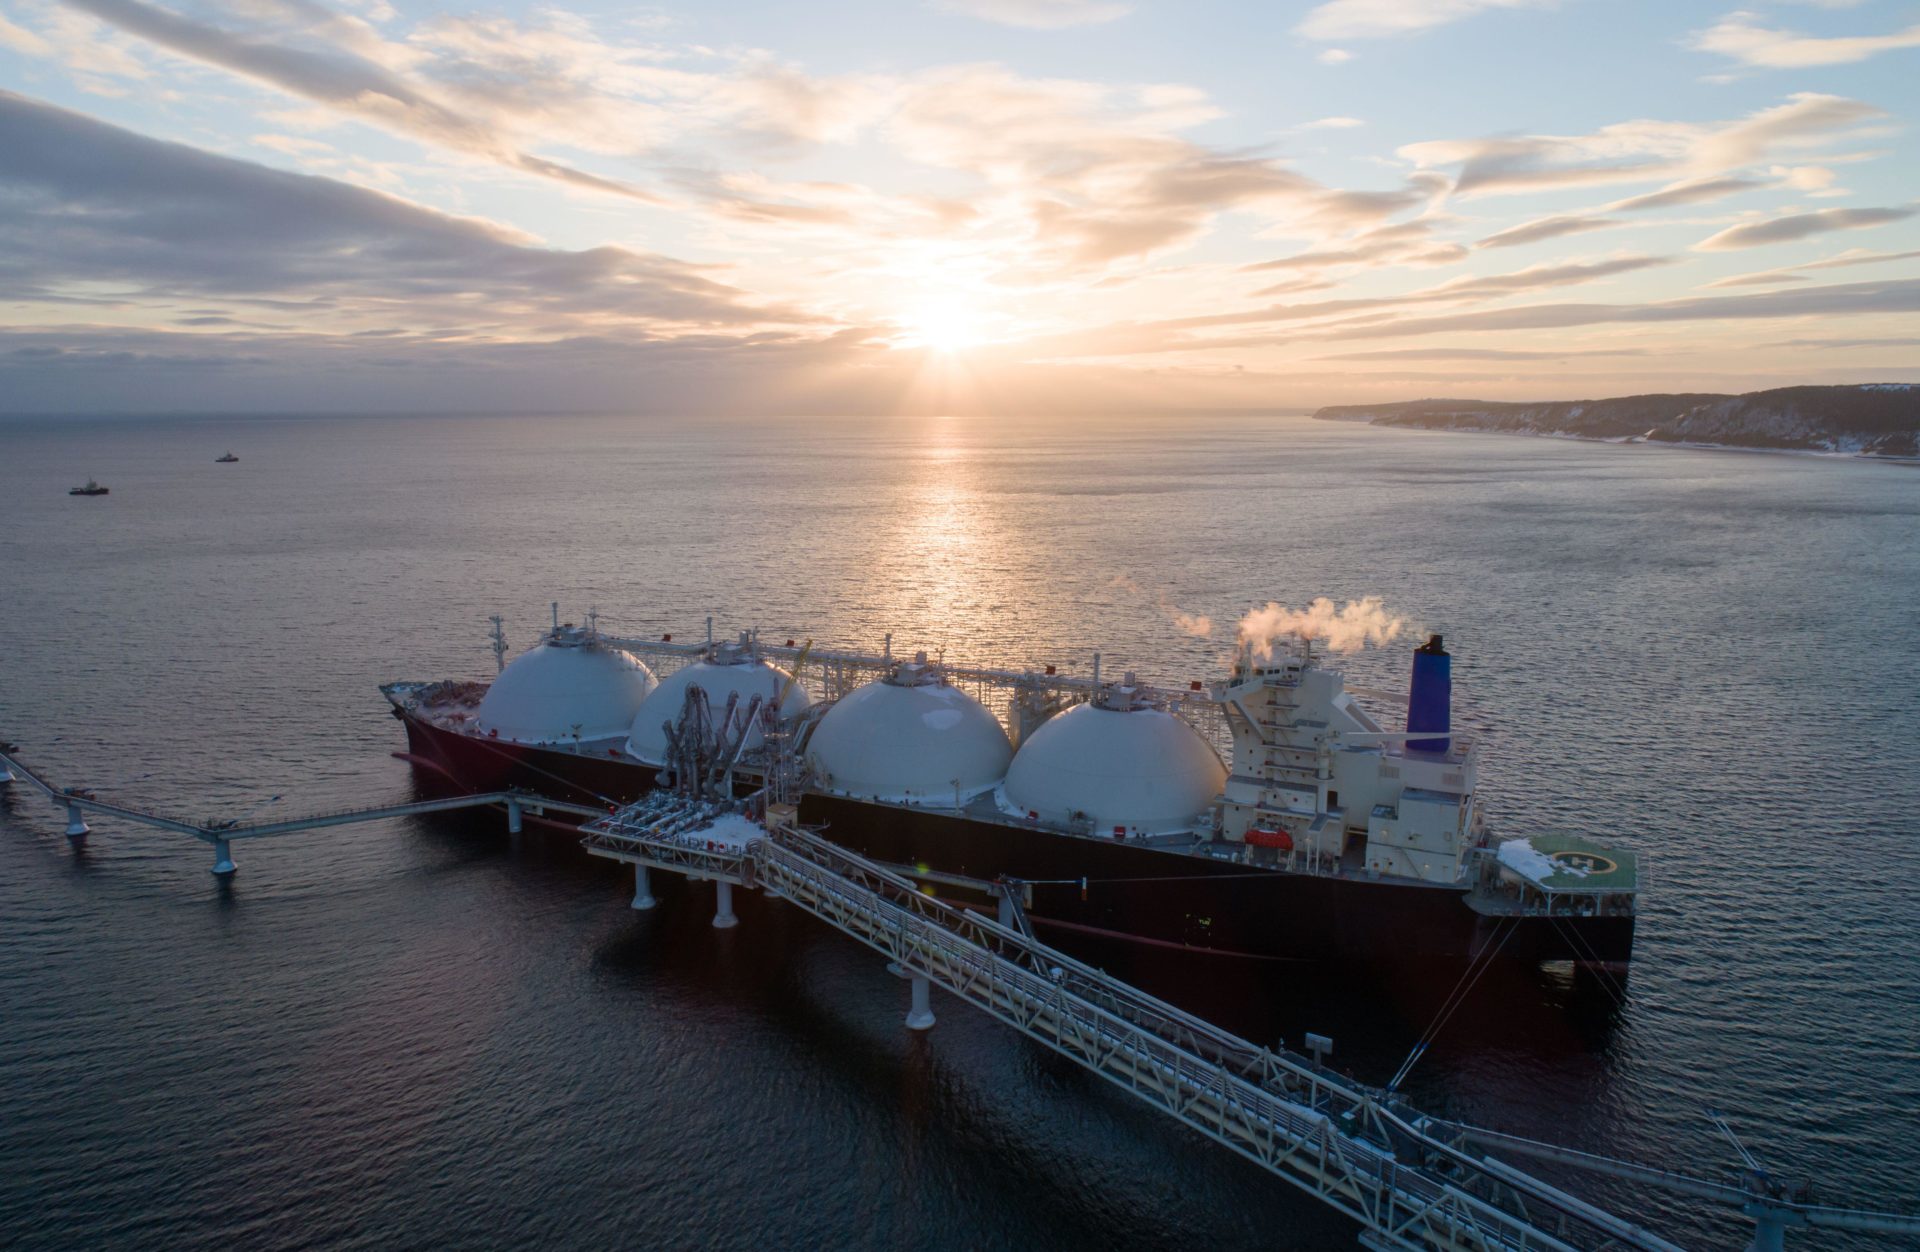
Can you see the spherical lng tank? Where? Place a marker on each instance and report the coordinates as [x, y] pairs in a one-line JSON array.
[[1140, 771], [909, 738], [567, 687], [720, 675]]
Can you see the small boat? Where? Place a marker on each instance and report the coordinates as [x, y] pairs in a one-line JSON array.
[[91, 489], [227, 459]]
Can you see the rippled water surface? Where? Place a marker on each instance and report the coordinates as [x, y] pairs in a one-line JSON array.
[[425, 1033]]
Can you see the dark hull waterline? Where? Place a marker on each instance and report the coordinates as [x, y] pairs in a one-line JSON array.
[[1087, 890]]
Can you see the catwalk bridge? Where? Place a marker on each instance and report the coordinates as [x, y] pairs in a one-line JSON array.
[[1409, 1181], [80, 801]]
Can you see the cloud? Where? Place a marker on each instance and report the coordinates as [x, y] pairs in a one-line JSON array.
[[1535, 277], [1795, 273], [1095, 174], [1837, 300], [1477, 354], [1800, 226], [1037, 14], [1168, 335], [1332, 123], [1544, 228], [338, 78], [1375, 19], [1057, 179], [1740, 36], [23, 41], [1846, 343], [1641, 151], [92, 206], [1857, 256], [1334, 56], [1405, 243], [1692, 191]]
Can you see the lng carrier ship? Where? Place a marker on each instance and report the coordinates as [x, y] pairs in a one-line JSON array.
[[1266, 816]]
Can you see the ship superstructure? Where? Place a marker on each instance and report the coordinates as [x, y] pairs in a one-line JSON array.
[[1266, 815]]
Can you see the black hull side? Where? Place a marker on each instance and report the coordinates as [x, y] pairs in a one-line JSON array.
[[1090, 892]]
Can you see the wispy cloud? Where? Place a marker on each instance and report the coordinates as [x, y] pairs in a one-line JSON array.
[[1837, 300], [1067, 177], [1403, 243], [1536, 277], [22, 41], [1100, 174], [1691, 191], [155, 224], [1478, 354], [1797, 273], [1643, 151], [1375, 19], [1742, 37], [345, 79], [1800, 226], [1544, 228], [1037, 14], [1909, 342]]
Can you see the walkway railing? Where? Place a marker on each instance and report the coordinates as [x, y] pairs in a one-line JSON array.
[[79, 801], [1348, 1146]]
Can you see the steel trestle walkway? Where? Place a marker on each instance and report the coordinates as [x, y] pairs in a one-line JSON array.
[[1346, 1145]]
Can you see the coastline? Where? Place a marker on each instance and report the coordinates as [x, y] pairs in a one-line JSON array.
[[1632, 440]]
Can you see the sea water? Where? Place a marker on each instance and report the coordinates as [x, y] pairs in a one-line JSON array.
[[428, 1033]]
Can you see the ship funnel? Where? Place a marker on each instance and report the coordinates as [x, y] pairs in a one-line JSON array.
[[1430, 698]]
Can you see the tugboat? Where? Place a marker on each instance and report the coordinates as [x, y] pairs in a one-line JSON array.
[[91, 489], [226, 459]]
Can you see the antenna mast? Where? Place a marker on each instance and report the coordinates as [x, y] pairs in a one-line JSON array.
[[499, 644]]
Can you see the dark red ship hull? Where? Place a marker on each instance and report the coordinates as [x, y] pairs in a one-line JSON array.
[[1092, 891]]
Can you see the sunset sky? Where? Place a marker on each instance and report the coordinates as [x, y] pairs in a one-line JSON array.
[[1020, 206]]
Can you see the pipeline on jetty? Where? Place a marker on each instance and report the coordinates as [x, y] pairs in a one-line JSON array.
[[79, 801]]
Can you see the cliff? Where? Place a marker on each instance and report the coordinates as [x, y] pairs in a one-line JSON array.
[[1869, 419]]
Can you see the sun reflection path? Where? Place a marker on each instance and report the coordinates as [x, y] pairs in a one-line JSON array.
[[938, 558]]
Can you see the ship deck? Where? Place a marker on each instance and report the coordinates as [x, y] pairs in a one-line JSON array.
[[450, 706]]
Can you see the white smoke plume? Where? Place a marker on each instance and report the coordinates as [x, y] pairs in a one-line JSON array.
[[1362, 622], [1200, 626]]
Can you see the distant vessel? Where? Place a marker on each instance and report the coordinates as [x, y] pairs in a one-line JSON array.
[[226, 459], [91, 489]]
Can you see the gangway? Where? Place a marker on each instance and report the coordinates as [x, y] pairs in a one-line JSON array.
[[1409, 1180], [79, 801], [1347, 1145]]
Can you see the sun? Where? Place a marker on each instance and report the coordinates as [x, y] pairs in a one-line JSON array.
[[946, 326]]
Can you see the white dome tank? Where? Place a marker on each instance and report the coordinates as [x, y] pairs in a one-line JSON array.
[[565, 688], [1138, 769], [727, 669], [909, 738]]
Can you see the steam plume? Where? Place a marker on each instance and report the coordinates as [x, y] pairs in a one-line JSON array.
[[1200, 626], [1362, 622]]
